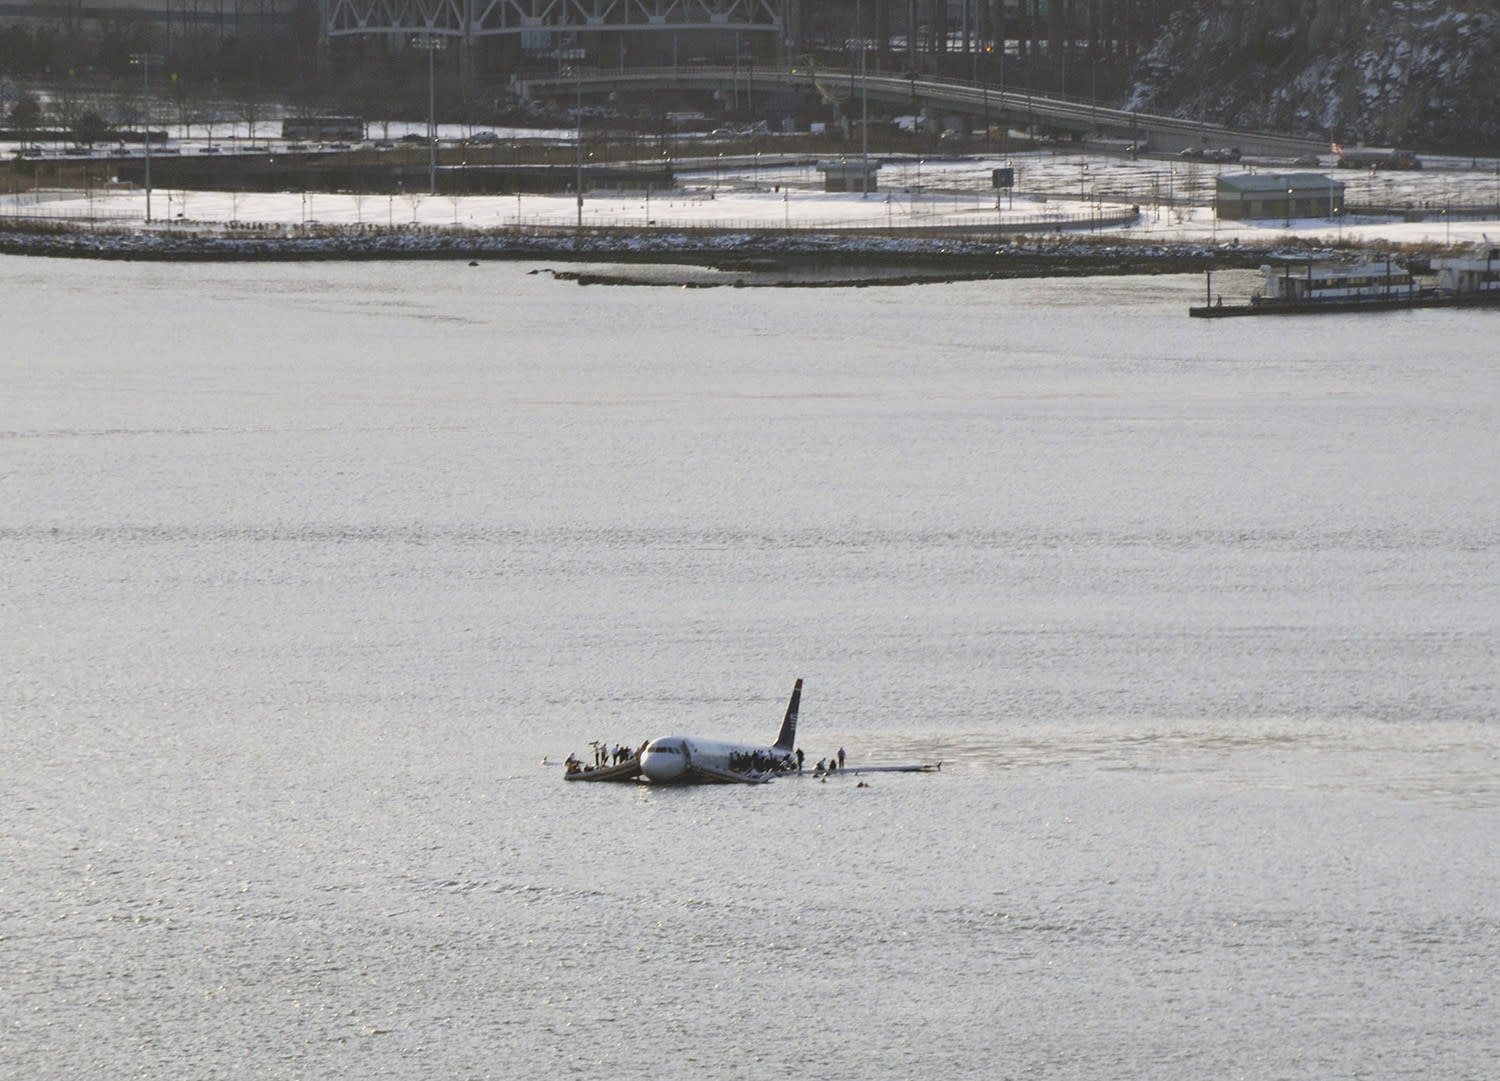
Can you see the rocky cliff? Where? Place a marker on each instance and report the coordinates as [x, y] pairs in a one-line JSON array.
[[1412, 73]]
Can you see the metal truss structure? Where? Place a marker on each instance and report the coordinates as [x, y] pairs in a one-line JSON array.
[[470, 19]]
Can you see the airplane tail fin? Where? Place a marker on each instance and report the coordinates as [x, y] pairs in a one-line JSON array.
[[788, 738]]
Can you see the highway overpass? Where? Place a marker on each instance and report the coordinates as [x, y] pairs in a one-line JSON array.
[[888, 94]]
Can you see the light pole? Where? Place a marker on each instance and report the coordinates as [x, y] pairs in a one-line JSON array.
[[144, 60], [432, 43], [864, 102], [578, 141], [515, 160]]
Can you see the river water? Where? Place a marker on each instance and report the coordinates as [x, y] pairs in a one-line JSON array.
[[307, 568]]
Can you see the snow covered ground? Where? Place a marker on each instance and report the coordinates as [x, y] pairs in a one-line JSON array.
[[761, 191]]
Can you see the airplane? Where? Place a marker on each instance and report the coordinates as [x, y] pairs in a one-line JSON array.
[[693, 760]]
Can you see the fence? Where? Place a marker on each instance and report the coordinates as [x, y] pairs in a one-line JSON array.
[[970, 223]]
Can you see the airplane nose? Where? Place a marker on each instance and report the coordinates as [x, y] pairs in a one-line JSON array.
[[659, 766]]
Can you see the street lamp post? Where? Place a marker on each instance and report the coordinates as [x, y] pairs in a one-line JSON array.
[[515, 160], [144, 60], [431, 119], [432, 43], [864, 101], [578, 141]]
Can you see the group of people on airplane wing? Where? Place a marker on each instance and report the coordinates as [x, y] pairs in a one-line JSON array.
[[760, 762], [831, 764], [603, 755]]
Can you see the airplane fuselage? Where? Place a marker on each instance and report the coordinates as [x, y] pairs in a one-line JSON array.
[[680, 759], [693, 760]]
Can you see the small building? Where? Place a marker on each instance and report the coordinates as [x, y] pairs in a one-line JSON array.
[[845, 175], [1248, 196]]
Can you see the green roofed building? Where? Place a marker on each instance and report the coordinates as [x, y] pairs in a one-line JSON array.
[[1247, 196]]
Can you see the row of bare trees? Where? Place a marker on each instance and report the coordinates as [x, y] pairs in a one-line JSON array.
[[96, 114]]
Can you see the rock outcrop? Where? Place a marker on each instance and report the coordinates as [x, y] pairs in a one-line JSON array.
[[1412, 73]]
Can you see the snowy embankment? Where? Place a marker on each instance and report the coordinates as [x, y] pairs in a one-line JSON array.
[[1021, 256], [1076, 214]]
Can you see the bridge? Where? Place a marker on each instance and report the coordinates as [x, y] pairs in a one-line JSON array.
[[849, 91], [468, 20]]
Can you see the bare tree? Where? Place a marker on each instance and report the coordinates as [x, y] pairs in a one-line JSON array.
[[126, 110], [250, 111], [26, 114], [67, 104], [182, 101]]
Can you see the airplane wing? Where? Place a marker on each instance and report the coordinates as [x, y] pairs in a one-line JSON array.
[[726, 777], [625, 771]]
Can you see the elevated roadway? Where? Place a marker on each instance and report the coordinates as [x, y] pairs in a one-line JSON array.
[[912, 94]]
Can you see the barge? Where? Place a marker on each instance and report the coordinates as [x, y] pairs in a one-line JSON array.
[[1367, 286]]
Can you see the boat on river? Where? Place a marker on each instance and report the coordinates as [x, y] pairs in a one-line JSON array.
[[1474, 275], [1289, 289]]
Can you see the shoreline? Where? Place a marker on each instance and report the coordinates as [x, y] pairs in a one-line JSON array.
[[738, 251]]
